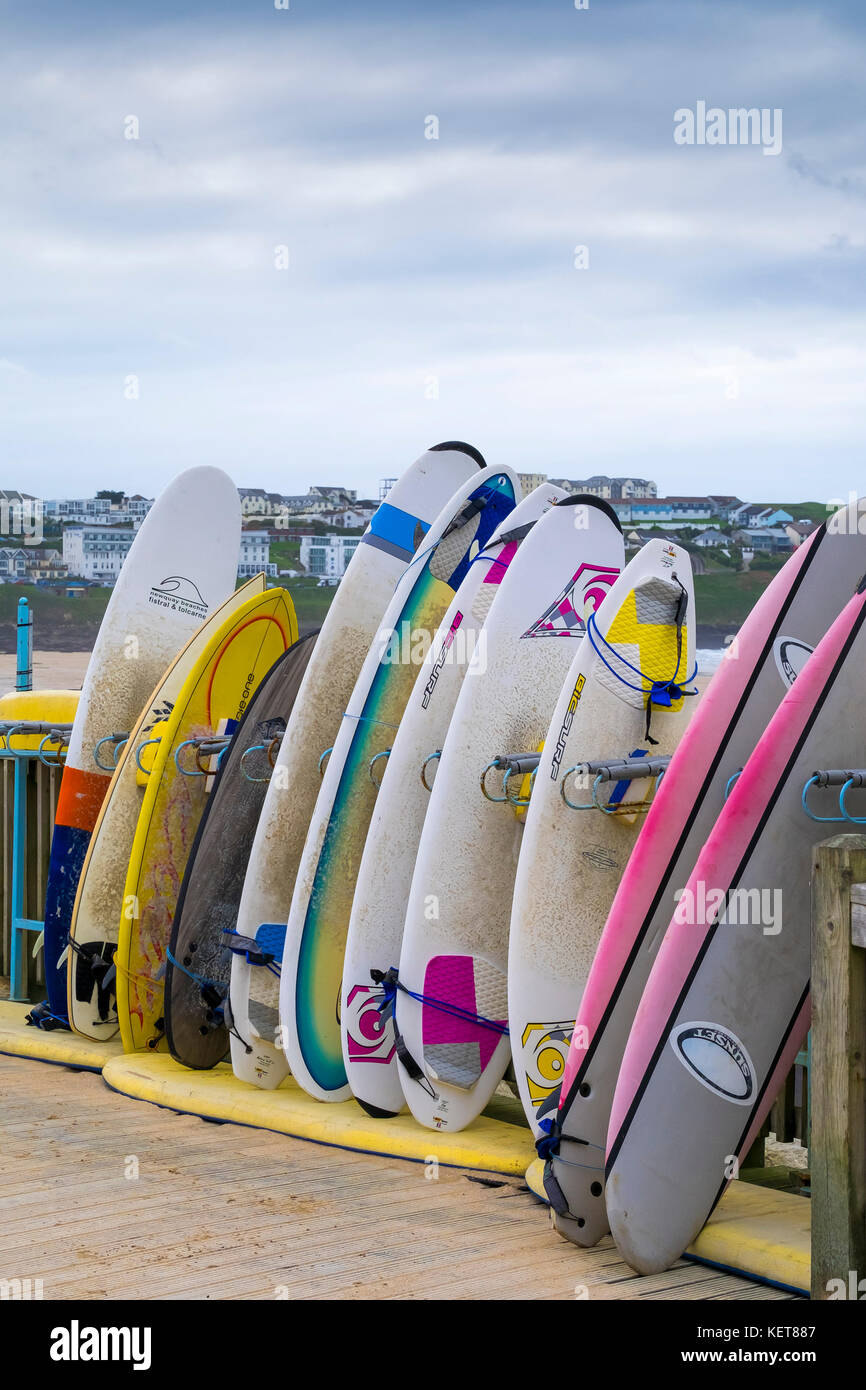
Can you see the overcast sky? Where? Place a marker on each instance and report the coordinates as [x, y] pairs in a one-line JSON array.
[[715, 342]]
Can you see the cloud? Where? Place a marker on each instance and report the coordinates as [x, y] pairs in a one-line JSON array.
[[412, 259]]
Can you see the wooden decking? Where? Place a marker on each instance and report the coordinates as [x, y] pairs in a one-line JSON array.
[[225, 1212]]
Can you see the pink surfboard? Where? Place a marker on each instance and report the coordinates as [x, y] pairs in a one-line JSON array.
[[789, 619], [726, 1007]]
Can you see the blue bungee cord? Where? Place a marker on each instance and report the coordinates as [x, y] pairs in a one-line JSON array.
[[661, 692], [272, 965], [201, 980], [391, 983]]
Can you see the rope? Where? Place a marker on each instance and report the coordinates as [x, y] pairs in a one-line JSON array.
[[661, 692], [138, 979], [669, 684], [547, 1146], [247, 1047], [272, 965], [489, 560], [365, 719], [201, 980], [391, 984]]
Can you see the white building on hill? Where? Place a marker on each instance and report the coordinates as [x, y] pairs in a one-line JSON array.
[[326, 557], [79, 509], [610, 489], [255, 554], [530, 481], [96, 552]]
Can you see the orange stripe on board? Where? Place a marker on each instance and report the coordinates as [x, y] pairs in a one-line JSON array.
[[81, 796]]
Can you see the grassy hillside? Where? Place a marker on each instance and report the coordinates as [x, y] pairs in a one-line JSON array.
[[311, 602], [286, 555], [806, 511], [60, 624], [724, 598]]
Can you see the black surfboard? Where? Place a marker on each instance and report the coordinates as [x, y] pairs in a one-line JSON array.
[[199, 963]]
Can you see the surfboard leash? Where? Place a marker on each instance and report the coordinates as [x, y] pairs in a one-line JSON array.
[[660, 692], [390, 984]]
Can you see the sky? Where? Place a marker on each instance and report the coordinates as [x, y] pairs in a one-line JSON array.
[[279, 273]]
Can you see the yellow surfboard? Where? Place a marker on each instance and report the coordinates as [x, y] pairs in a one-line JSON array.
[[213, 699], [99, 897], [42, 706]]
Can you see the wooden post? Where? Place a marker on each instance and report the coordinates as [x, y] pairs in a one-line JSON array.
[[838, 1153]]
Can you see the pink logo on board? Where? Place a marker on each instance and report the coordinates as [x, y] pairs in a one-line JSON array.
[[370, 1033], [583, 593]]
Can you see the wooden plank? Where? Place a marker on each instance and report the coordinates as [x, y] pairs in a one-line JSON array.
[[858, 914], [838, 1154], [222, 1212], [782, 1117]]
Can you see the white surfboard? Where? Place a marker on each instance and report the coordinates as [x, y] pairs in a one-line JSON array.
[[385, 876], [312, 966], [454, 1048], [181, 566], [387, 547], [639, 646]]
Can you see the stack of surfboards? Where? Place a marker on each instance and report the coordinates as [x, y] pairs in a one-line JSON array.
[[698, 996], [477, 828]]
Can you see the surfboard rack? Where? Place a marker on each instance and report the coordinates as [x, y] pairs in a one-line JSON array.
[[47, 733], [148, 743], [518, 800], [509, 764], [212, 746], [431, 757], [14, 728], [386, 752], [269, 749], [118, 740], [609, 770], [832, 777], [51, 733], [59, 758], [729, 785]]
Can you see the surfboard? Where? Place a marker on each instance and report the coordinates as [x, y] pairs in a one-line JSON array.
[[175, 574], [395, 532], [91, 1003], [385, 874], [453, 1049], [626, 697], [789, 619], [322, 901], [46, 707], [203, 933], [726, 1007], [212, 701]]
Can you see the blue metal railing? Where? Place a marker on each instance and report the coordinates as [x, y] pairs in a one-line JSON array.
[[49, 734]]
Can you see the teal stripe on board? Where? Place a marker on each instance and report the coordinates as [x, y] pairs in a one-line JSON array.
[[315, 1015]]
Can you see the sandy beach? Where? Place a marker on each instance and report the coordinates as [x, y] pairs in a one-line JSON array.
[[51, 670]]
